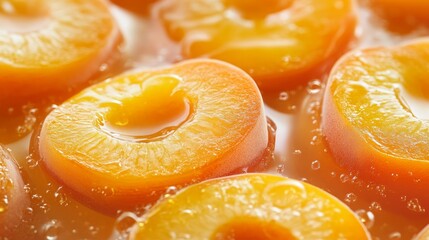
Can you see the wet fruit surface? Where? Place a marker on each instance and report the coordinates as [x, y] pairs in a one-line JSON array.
[[13, 199], [270, 207], [301, 151], [141, 133], [368, 122], [51, 45], [274, 42]]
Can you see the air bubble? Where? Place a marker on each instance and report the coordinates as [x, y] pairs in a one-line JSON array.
[[105, 191], [297, 152], [94, 230], [314, 86], [366, 217], [51, 229], [375, 206], [171, 190], [31, 161], [61, 196], [395, 235], [315, 165], [27, 215], [350, 197], [281, 168], [283, 96], [124, 224], [103, 67], [415, 206], [344, 178]]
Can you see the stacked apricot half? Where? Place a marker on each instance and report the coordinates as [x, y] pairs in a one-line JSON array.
[[251, 206], [123, 142], [50, 45], [278, 42], [13, 199], [369, 122]]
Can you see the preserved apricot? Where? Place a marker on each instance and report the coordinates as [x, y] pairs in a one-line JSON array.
[[278, 42], [251, 206], [13, 199], [124, 141], [49, 45], [369, 121]]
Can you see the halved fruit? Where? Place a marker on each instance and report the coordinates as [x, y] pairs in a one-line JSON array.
[[250, 206], [124, 141], [49, 45], [369, 121], [13, 199], [277, 42]]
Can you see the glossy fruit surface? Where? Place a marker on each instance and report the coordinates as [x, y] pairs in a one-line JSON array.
[[13, 199], [124, 141], [278, 42], [251, 206], [48, 45], [369, 121]]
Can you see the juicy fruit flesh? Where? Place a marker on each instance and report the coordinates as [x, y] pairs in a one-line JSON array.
[[217, 139], [154, 115], [276, 45], [13, 199], [62, 47], [296, 209], [72, 33], [367, 89]]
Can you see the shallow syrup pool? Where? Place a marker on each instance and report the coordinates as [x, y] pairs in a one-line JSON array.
[[300, 152]]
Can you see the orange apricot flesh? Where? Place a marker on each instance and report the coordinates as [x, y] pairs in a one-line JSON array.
[[368, 123], [124, 141], [49, 45], [250, 206], [13, 199], [278, 42], [424, 234]]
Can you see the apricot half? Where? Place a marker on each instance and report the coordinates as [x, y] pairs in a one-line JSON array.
[[278, 42], [124, 141], [13, 199], [368, 121], [250, 206], [49, 45]]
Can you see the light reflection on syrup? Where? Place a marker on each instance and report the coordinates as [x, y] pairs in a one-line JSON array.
[[155, 114]]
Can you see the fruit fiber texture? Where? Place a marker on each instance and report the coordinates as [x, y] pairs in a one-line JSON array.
[[367, 122], [84, 144], [279, 43], [250, 206], [48, 46]]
